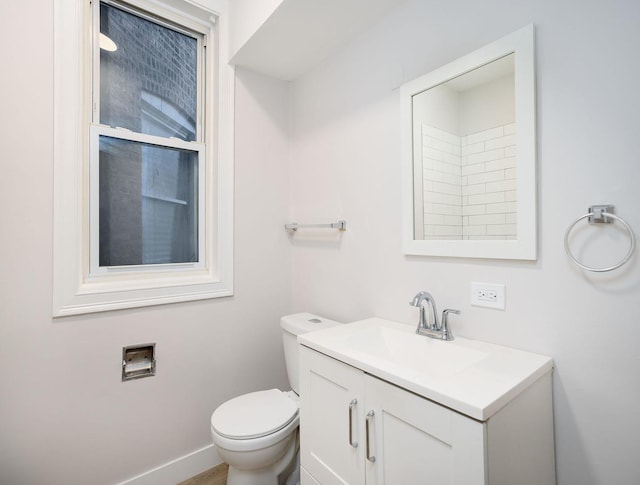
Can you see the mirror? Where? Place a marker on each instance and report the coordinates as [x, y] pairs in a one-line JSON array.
[[469, 155]]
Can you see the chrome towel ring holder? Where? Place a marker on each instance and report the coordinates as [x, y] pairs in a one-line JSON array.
[[599, 214]]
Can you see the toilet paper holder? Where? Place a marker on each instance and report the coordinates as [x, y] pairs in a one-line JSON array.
[[138, 361]]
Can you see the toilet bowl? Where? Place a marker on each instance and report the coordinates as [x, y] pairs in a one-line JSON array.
[[256, 434]]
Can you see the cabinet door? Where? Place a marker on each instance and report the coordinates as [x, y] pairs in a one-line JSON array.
[[327, 389], [415, 441]]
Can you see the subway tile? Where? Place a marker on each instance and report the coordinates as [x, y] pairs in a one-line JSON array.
[[501, 142], [443, 177], [474, 230], [502, 229], [485, 177], [511, 218], [509, 129], [444, 238], [501, 163], [511, 196], [487, 238], [442, 198], [486, 156], [432, 154], [446, 188], [510, 151], [441, 156], [510, 173], [496, 197], [487, 219], [471, 149], [434, 219], [448, 230], [473, 189], [501, 207], [470, 210], [436, 144], [446, 168], [446, 209], [501, 186], [452, 221], [485, 135], [472, 169]]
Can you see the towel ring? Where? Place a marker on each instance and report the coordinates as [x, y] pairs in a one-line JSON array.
[[600, 214]]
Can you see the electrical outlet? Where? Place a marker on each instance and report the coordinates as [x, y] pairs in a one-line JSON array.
[[490, 295], [487, 295]]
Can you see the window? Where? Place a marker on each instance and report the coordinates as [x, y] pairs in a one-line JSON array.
[[145, 202], [145, 192], [142, 209]]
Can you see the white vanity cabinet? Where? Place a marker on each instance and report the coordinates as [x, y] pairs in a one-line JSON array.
[[413, 440], [328, 388], [409, 440]]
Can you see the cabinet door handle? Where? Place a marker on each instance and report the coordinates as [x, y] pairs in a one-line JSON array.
[[370, 415], [352, 404]]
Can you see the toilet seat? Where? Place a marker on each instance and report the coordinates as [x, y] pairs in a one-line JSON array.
[[254, 415]]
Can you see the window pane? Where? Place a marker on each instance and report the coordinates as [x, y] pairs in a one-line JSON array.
[[149, 83], [148, 204]]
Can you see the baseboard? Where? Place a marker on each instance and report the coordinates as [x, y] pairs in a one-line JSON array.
[[179, 469]]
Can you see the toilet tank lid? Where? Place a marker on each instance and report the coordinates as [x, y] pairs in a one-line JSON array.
[[300, 323]]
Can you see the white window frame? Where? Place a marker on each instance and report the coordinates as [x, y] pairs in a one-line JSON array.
[[79, 285]]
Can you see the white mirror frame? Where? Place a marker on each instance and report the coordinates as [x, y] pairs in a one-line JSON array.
[[521, 43]]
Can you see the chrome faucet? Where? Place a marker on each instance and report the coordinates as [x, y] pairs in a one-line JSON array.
[[433, 329], [417, 301]]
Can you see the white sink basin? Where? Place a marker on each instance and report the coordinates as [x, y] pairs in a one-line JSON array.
[[473, 377], [431, 357]]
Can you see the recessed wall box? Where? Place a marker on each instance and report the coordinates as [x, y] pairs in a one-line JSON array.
[[138, 361]]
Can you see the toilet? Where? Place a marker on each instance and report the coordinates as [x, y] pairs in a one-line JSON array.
[[256, 434]]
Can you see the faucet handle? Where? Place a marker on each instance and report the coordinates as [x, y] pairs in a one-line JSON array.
[[446, 332], [445, 315]]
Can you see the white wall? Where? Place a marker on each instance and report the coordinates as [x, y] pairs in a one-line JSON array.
[[346, 163], [487, 105], [65, 416], [438, 107], [246, 16]]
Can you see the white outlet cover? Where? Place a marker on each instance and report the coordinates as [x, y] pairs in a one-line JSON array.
[[477, 289]]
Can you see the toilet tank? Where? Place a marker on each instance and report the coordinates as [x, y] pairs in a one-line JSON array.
[[292, 326]]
